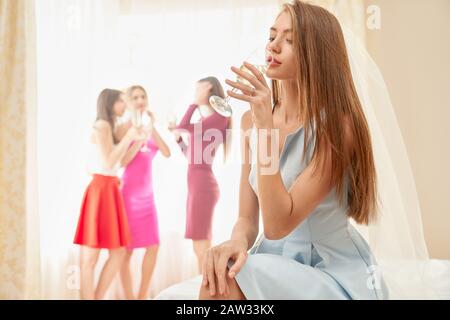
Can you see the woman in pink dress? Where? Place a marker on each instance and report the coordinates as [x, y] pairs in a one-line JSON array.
[[137, 191], [205, 137]]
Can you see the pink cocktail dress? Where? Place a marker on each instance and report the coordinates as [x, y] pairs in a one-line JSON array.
[[137, 191]]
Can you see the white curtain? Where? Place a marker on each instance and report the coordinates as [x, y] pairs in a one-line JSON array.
[[19, 237], [85, 46]]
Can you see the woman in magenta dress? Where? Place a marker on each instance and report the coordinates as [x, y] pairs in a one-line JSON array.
[[205, 137], [137, 191]]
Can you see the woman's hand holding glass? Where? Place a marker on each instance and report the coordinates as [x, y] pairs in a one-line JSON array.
[[136, 134], [143, 123], [256, 92], [147, 128], [260, 60], [172, 126]]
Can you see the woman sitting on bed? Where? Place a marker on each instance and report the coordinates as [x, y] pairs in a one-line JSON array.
[[325, 174]]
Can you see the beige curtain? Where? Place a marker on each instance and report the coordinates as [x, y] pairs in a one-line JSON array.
[[19, 242]]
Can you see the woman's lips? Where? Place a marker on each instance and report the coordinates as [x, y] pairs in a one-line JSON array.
[[273, 62]]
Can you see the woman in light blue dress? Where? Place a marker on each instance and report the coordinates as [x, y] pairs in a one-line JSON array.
[[317, 174]]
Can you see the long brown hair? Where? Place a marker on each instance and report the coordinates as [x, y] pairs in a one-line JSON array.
[[217, 90], [327, 96], [105, 107]]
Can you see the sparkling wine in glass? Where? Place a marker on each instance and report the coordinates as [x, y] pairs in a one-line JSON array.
[[171, 119], [147, 127], [136, 118], [259, 59]]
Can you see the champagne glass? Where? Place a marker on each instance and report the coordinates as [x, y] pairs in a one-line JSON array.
[[147, 127], [259, 59], [171, 119], [172, 124], [136, 119]]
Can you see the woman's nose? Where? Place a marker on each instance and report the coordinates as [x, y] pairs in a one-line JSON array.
[[273, 47]]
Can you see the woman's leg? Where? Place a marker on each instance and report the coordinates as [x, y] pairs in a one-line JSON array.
[[125, 276], [200, 249], [235, 292], [109, 271], [88, 260], [148, 266]]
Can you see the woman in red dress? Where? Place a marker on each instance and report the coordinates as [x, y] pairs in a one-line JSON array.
[[103, 222]]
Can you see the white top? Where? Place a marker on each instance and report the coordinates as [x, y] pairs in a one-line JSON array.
[[96, 164]]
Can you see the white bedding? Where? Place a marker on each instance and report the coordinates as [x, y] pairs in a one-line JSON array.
[[439, 275]]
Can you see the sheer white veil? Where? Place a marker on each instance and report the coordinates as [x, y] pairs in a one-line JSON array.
[[396, 238]]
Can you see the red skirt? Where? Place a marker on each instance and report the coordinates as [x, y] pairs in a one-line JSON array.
[[103, 221]]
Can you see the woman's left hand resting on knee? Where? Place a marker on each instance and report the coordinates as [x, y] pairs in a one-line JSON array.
[[216, 262]]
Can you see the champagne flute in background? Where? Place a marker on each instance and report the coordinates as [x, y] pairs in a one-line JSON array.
[[136, 118], [137, 121], [147, 127], [260, 58], [171, 119], [172, 124]]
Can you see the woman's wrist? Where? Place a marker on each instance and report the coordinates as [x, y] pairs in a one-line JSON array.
[[240, 238], [129, 137]]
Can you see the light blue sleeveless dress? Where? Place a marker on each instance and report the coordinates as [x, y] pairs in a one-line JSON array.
[[324, 257]]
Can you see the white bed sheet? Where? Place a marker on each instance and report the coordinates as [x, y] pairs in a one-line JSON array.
[[439, 276]]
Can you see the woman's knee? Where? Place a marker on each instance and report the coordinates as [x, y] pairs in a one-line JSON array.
[[89, 259], [118, 254], [128, 255], [204, 294], [153, 249], [235, 292]]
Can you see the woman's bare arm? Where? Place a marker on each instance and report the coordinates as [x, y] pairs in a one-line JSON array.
[[111, 154], [282, 210], [121, 130], [131, 153], [247, 225], [165, 151]]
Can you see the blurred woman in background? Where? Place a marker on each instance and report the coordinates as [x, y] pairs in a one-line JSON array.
[[205, 137], [137, 191], [103, 222]]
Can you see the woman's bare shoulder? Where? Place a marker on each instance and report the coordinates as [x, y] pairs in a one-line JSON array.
[[102, 125]]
